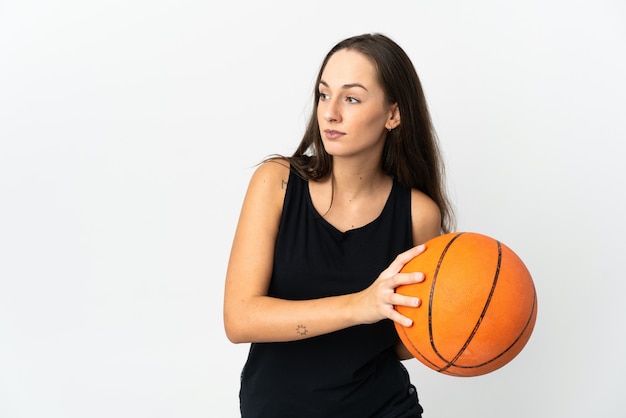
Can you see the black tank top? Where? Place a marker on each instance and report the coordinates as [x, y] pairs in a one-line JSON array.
[[353, 372]]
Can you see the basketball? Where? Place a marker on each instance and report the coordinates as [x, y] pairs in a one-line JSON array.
[[479, 305]]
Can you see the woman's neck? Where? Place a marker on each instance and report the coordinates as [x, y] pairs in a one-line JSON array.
[[357, 178]]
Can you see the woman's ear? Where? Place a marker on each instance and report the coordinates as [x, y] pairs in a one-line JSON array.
[[393, 121]]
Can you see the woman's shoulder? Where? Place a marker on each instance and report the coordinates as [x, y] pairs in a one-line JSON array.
[[273, 168], [426, 217], [269, 182]]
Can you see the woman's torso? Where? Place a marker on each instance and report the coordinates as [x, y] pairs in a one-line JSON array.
[[351, 372]]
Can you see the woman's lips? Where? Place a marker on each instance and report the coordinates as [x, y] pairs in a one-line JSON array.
[[332, 134]]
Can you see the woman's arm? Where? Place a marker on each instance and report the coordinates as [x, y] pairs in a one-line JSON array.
[[252, 316]]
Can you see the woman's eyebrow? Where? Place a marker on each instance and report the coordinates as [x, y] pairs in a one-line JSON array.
[[346, 86]]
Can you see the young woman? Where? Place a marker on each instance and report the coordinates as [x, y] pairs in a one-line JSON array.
[[322, 237]]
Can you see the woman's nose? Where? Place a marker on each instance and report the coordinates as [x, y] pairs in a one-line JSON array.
[[331, 111]]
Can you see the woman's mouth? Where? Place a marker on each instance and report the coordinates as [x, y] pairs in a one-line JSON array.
[[332, 134]]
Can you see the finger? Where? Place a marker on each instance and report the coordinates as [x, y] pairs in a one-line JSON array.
[[399, 299], [410, 254], [408, 278], [400, 319], [405, 257], [401, 260]]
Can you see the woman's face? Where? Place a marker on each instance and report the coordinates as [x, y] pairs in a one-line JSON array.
[[353, 113]]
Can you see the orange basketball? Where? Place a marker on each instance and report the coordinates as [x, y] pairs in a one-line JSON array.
[[478, 308]]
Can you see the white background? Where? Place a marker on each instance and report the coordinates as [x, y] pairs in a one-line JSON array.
[[128, 133]]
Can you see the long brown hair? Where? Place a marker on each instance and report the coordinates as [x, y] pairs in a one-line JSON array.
[[411, 153]]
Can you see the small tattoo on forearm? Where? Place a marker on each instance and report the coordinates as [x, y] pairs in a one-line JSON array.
[[283, 184], [301, 330]]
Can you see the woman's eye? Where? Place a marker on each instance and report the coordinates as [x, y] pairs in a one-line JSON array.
[[351, 99], [323, 96]]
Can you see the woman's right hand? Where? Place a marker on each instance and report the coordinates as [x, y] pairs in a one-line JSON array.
[[378, 301]]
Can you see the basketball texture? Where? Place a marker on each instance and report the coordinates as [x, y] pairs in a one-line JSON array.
[[478, 308]]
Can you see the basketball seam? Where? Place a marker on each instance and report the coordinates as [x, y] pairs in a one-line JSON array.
[[432, 293], [483, 313], [450, 363], [533, 314]]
